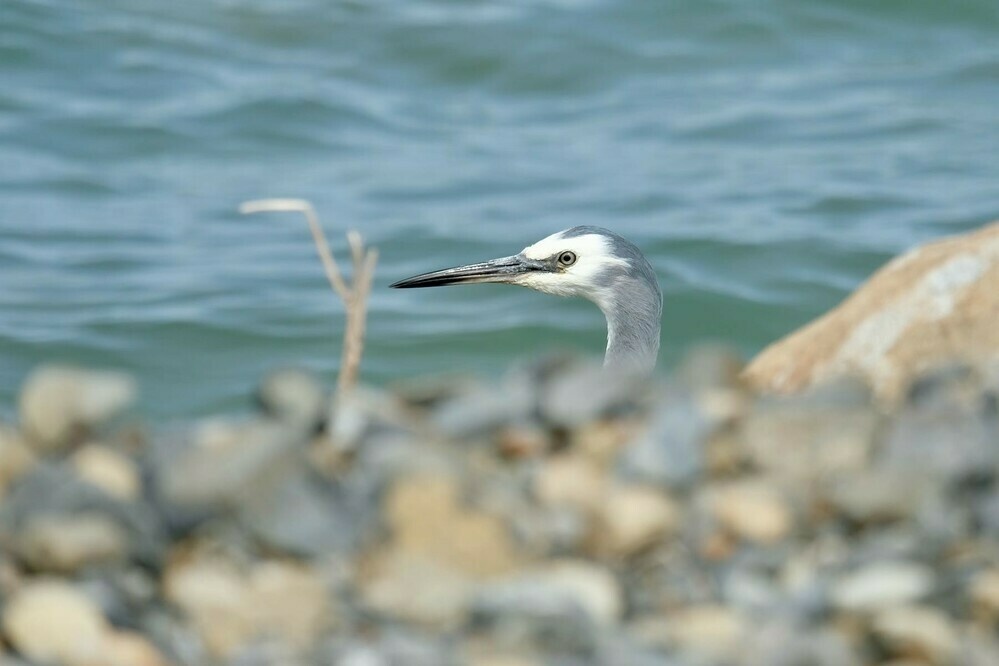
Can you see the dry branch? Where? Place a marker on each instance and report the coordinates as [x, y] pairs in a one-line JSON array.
[[354, 295]]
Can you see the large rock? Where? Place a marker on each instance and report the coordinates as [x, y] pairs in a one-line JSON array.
[[59, 404], [932, 305]]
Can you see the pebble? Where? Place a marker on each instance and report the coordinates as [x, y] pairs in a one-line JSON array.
[[66, 543], [983, 592], [59, 404], [918, 632], [425, 515], [882, 585], [752, 510], [570, 480], [714, 631], [685, 523], [877, 495], [631, 519], [51, 622], [108, 470]]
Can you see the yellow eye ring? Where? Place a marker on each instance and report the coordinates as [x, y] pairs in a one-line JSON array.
[[566, 259]]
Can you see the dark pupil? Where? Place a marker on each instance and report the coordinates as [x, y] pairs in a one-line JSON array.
[[567, 257]]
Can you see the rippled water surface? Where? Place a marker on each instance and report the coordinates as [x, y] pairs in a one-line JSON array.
[[767, 155]]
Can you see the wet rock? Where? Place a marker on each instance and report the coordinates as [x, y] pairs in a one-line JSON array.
[[108, 470], [882, 585], [918, 632], [59, 404], [630, 519], [61, 543], [752, 510], [294, 396], [49, 621]]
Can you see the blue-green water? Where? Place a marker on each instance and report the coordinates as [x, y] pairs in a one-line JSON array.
[[767, 155]]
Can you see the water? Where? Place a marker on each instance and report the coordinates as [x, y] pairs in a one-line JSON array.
[[767, 156]]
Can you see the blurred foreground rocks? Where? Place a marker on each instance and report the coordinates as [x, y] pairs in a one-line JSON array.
[[555, 517]]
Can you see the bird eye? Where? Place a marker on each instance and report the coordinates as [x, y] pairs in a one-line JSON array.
[[567, 259]]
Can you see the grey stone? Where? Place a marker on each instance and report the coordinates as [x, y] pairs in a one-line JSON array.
[[670, 452], [584, 392], [528, 612]]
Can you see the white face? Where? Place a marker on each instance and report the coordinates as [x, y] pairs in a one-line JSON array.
[[593, 255]]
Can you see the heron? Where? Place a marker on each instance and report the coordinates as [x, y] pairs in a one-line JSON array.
[[585, 261]]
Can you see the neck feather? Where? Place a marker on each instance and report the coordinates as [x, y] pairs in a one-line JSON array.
[[633, 322]]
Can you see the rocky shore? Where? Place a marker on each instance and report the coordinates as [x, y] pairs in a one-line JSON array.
[[554, 517]]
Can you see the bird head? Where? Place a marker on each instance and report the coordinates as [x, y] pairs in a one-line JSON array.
[[581, 261]]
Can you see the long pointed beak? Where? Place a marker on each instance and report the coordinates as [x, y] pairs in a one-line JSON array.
[[504, 269]]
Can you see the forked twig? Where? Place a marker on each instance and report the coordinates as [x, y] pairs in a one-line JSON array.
[[353, 295]]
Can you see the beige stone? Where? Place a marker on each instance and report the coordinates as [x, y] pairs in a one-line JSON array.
[[214, 595], [751, 510], [632, 518], [289, 601], [416, 588], [570, 480], [713, 631], [126, 648], [932, 305], [51, 622], [65, 543], [59, 403], [921, 632], [425, 516], [983, 592], [230, 606], [109, 470]]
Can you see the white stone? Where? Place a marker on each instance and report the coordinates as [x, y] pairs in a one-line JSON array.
[[108, 470], [49, 621], [882, 585], [58, 403]]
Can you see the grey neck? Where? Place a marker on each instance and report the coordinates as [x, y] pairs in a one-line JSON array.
[[633, 323]]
